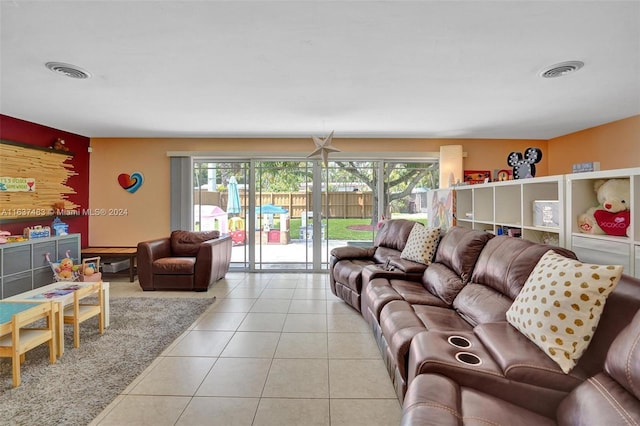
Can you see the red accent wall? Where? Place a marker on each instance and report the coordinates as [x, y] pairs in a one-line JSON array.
[[14, 129]]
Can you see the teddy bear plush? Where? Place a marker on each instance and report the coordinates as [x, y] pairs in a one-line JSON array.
[[612, 216], [66, 270]]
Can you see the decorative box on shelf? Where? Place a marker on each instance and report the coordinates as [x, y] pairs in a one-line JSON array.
[[592, 166], [59, 227], [37, 232], [546, 213]]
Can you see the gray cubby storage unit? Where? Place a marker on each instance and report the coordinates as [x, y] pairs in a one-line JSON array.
[[23, 265]]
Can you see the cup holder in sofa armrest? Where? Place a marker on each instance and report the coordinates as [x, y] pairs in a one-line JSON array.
[[468, 358], [459, 342]]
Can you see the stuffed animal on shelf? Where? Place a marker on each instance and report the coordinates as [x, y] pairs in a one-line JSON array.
[[612, 216], [59, 145]]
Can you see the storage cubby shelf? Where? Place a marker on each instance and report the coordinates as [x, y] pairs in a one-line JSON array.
[[603, 248], [509, 204]]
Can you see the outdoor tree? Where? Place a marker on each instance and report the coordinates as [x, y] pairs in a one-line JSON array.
[[283, 176], [399, 181]]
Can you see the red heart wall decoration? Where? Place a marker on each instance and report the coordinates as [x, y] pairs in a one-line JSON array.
[[130, 183]]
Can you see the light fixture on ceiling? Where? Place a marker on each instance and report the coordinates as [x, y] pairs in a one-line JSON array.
[[561, 69], [68, 70]]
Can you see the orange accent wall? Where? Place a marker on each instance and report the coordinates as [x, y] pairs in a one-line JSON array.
[[147, 210], [490, 155], [615, 145]]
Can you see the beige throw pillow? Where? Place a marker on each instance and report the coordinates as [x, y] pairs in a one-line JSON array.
[[559, 306], [421, 244]]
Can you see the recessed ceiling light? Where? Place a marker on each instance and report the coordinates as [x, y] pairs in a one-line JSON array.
[[561, 69], [68, 70]]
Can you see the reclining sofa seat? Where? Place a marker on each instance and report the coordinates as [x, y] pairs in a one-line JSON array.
[[610, 397], [184, 261], [451, 268], [501, 270], [515, 369], [348, 262]]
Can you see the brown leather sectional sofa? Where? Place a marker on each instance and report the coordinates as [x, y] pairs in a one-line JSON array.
[[449, 325]]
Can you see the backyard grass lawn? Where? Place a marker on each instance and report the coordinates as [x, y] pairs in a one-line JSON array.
[[339, 229]]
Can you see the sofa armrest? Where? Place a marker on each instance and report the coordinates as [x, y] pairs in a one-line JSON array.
[[147, 252], [522, 361], [371, 272], [353, 252], [212, 262], [432, 399], [407, 266]]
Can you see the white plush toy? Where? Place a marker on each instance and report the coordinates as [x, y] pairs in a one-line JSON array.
[[612, 216]]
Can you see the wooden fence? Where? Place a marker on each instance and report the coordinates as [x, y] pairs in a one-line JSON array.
[[341, 204]]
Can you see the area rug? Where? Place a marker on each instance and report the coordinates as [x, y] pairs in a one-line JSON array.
[[85, 380]]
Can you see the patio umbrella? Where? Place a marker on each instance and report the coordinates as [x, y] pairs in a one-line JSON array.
[[233, 201], [271, 209]]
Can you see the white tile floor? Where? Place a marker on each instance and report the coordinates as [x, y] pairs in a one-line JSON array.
[[274, 349]]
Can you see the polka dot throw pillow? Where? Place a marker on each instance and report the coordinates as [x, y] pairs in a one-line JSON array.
[[421, 244], [560, 305]]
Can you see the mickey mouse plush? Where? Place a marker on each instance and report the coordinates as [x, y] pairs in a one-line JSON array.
[[524, 167]]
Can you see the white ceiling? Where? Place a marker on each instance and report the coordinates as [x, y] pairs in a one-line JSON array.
[[429, 69]]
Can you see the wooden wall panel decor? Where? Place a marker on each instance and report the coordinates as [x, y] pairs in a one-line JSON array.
[[50, 171]]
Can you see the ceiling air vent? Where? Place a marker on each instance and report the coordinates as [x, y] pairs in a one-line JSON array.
[[68, 70], [561, 69]]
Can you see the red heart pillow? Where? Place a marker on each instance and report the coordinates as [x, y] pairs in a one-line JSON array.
[[613, 223]]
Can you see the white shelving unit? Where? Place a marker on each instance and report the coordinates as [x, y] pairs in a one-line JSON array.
[[498, 206], [603, 248]]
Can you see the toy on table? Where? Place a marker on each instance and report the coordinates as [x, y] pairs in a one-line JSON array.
[[612, 216]]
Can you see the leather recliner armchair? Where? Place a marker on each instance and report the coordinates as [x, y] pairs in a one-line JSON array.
[[184, 261]]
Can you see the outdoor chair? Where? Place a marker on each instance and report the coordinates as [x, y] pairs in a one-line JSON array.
[[80, 312], [23, 338]]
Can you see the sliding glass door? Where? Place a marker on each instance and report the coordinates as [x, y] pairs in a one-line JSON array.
[[287, 215], [221, 202], [283, 206]]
